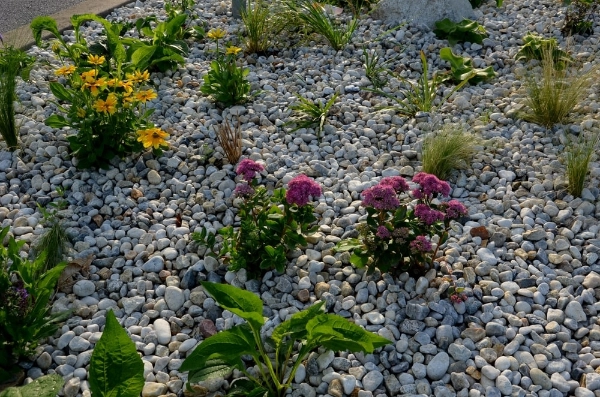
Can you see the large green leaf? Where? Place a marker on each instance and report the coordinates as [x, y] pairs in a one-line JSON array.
[[57, 121], [243, 303], [45, 386], [338, 334], [220, 352], [142, 56], [116, 369], [39, 24], [295, 327]]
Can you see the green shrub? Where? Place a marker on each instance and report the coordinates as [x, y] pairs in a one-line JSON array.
[[307, 330], [465, 30]]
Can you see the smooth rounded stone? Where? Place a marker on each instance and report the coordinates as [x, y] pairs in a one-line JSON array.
[[437, 367], [502, 363], [459, 352], [459, 381], [72, 387], [574, 311], [153, 177], [187, 345], [375, 318], [490, 372], [487, 256], [153, 389], [78, 344], [419, 370], [174, 297], [475, 334], [583, 392], [372, 380], [494, 329], [348, 383], [154, 264], [163, 331], [539, 377], [504, 385], [559, 382], [592, 381], [44, 361], [300, 374], [592, 280], [84, 288], [65, 339]]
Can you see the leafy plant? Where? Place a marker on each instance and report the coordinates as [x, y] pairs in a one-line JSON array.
[[257, 18], [116, 368], [553, 90], [577, 156], [314, 15], [308, 329], [447, 150], [420, 96], [462, 68], [396, 235], [312, 114], [534, 47], [580, 16], [465, 30], [54, 241], [25, 292], [375, 70], [270, 226], [226, 82], [230, 140], [44, 386]]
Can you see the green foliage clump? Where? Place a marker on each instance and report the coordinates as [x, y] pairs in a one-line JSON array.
[[535, 46], [462, 68], [54, 241], [580, 16], [307, 330], [577, 156], [450, 149], [312, 114], [25, 291], [44, 386], [463, 31]]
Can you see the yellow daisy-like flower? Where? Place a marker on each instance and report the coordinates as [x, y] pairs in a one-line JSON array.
[[127, 85], [95, 86], [112, 82], [138, 77], [89, 76], [145, 95], [216, 34], [96, 60], [152, 137], [232, 50], [65, 70], [81, 113], [128, 99], [106, 106]]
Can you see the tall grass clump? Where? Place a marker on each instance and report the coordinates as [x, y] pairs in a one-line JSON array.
[[258, 25], [13, 63], [577, 156], [54, 241], [317, 19], [554, 89], [447, 150]]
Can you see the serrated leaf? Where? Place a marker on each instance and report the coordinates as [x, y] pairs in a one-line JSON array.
[[243, 303], [116, 369]]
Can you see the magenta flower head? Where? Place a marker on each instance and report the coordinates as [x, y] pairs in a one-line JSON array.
[[397, 182], [428, 215], [248, 169], [243, 190], [430, 185], [383, 233], [381, 197], [454, 209], [420, 244], [300, 189]]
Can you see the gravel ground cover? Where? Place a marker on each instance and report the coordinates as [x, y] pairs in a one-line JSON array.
[[527, 254]]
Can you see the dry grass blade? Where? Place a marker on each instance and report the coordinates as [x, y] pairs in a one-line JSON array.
[[231, 140]]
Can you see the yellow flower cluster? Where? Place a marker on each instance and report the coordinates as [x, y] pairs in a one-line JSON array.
[[216, 34], [106, 106], [152, 137], [138, 77], [65, 70]]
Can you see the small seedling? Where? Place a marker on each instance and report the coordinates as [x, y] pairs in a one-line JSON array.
[[311, 113]]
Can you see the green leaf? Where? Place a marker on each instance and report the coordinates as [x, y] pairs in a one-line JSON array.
[[348, 245], [57, 121], [39, 24], [142, 56], [359, 259], [243, 303], [61, 92], [295, 327], [338, 334], [116, 369], [45, 386]]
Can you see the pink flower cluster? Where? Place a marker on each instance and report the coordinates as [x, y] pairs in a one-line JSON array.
[[454, 209], [383, 232], [243, 190], [428, 215], [300, 189], [430, 185], [248, 169], [420, 244], [398, 183], [381, 197]]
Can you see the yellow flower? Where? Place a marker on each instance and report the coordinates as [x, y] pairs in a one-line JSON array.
[[81, 113], [232, 50], [112, 82], [65, 70], [152, 137], [138, 77], [216, 34], [56, 47], [96, 60], [89, 76], [128, 99], [95, 85], [127, 85], [145, 95], [107, 106]]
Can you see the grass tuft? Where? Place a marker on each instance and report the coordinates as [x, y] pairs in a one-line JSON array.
[[257, 21], [230, 140], [577, 156], [311, 113], [450, 149]]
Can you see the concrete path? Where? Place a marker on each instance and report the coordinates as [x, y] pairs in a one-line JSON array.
[[15, 15]]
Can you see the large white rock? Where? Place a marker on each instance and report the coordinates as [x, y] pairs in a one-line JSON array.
[[423, 12]]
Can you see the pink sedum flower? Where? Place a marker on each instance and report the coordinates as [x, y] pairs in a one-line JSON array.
[[428, 215], [420, 244], [300, 189], [430, 186], [248, 169], [381, 197], [397, 182], [455, 209], [383, 233], [243, 190]]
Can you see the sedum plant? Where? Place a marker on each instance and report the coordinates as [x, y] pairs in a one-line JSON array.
[[274, 372], [397, 233], [577, 157], [450, 149], [461, 68], [460, 32], [271, 224], [554, 89]]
